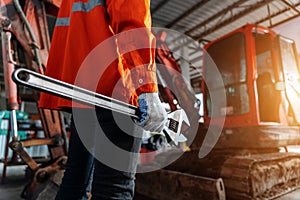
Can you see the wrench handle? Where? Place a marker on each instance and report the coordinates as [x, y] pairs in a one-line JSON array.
[[56, 87]]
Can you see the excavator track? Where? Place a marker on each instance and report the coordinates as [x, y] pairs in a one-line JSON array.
[[245, 174], [169, 185], [261, 176]]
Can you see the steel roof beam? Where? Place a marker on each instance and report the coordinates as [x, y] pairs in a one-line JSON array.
[[226, 10], [275, 14], [161, 4], [186, 13], [290, 6], [232, 19], [284, 21]]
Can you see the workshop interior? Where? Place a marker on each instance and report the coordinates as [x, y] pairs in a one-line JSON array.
[[228, 75]]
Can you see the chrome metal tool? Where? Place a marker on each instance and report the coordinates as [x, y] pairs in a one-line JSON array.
[[34, 80]]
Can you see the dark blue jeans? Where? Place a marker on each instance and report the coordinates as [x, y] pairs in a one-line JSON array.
[[85, 147]]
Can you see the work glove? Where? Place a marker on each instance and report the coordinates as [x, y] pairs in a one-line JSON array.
[[152, 114]]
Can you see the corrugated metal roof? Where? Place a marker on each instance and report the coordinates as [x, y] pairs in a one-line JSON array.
[[200, 19], [206, 20]]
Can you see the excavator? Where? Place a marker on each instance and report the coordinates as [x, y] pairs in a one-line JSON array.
[[260, 74], [251, 93], [251, 114]]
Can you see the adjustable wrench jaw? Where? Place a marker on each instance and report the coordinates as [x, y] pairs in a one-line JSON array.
[[173, 127]]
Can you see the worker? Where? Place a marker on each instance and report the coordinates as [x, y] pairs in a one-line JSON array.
[[81, 27]]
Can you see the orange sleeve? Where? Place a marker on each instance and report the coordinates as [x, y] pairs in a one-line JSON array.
[[131, 22]]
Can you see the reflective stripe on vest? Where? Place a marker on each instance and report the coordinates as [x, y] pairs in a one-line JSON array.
[[62, 21], [79, 7]]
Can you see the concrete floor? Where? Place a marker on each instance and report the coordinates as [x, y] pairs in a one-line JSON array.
[[15, 182]]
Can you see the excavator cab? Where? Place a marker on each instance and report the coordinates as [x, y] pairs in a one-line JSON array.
[[260, 79]]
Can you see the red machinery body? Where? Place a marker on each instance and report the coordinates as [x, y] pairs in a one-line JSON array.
[[260, 72]]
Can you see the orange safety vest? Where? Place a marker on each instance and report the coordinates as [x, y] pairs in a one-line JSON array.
[[82, 26]]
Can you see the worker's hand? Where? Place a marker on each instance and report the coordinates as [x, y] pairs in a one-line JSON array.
[[152, 114]]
